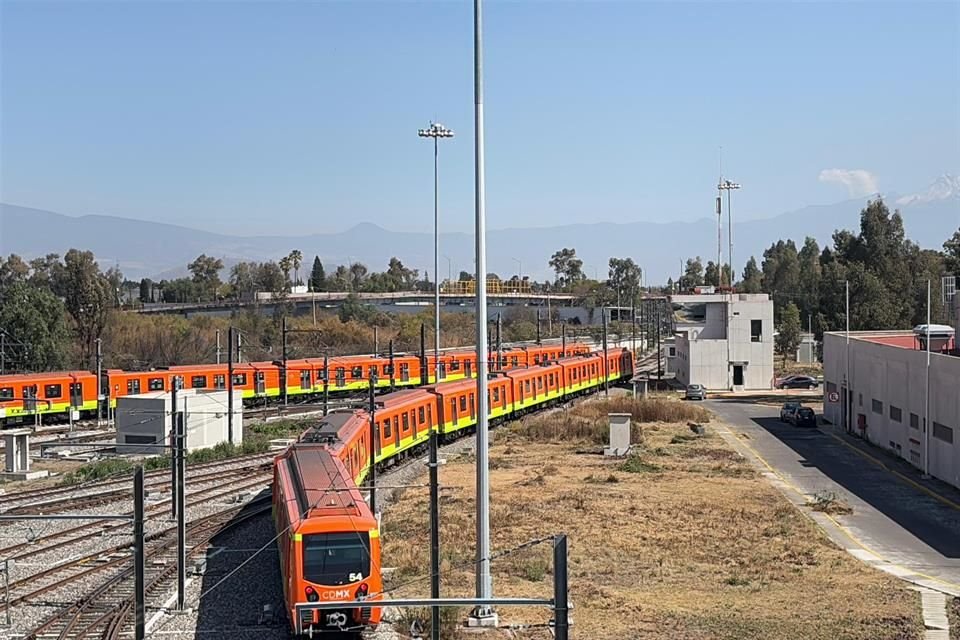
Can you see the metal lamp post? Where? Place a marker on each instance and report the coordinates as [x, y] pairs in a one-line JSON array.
[[436, 131], [726, 185]]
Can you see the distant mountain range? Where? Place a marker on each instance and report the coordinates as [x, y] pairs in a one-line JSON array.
[[157, 250]]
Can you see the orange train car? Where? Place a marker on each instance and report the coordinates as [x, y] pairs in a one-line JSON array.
[[25, 396], [328, 541]]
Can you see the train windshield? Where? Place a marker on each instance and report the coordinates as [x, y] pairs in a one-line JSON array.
[[336, 558]]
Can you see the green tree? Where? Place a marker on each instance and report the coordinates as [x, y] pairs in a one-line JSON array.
[[465, 277], [34, 316], [692, 274], [296, 259], [271, 278], [711, 275], [752, 277], [285, 264], [781, 274], [358, 275], [624, 278], [146, 290], [244, 277], [86, 294], [13, 270], [809, 280], [317, 275], [788, 332], [398, 277], [567, 266], [951, 251], [206, 275]]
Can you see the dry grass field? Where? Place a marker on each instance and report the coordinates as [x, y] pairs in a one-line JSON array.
[[682, 540]]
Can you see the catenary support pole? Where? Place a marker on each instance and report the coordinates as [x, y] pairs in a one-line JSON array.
[[181, 508], [326, 384], [498, 364], [539, 341], [659, 368], [373, 443], [849, 400], [393, 373], [218, 346], [563, 339], [424, 372], [561, 623], [174, 419], [376, 341], [230, 334], [139, 556], [283, 369], [434, 534], [928, 424], [100, 393], [484, 581], [606, 358]]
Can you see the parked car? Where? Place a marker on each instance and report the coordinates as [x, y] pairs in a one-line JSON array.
[[805, 417], [695, 392], [788, 411], [799, 382]]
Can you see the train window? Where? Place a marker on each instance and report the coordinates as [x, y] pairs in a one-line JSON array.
[[540, 382], [454, 365], [453, 407], [396, 423], [515, 361], [336, 558], [357, 373], [422, 415], [321, 374], [6, 393], [550, 380], [52, 391], [526, 386], [429, 416], [373, 370], [30, 391], [536, 359], [443, 370], [406, 421], [240, 378], [133, 386], [386, 429], [340, 373], [496, 394], [155, 384], [219, 381], [197, 382], [463, 403]]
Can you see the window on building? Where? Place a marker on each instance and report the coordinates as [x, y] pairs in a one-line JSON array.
[[877, 407], [896, 414], [756, 330], [914, 421], [196, 382], [942, 432], [133, 386], [672, 352], [52, 391], [155, 384]]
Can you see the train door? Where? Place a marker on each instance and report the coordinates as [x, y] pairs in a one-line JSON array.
[[404, 372], [453, 411], [259, 382], [305, 379], [30, 397], [341, 376], [473, 408], [76, 394], [467, 368]]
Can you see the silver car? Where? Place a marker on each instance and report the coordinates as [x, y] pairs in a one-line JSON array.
[[695, 392]]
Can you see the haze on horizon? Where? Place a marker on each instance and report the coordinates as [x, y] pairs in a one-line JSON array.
[[267, 118]]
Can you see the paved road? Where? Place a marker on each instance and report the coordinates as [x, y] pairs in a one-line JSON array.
[[895, 525]]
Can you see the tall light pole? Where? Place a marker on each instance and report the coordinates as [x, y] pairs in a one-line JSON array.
[[436, 131], [449, 268], [482, 614], [726, 185], [519, 268]]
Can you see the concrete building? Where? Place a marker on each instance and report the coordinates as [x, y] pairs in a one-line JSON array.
[[876, 387], [145, 419], [807, 349], [724, 341]]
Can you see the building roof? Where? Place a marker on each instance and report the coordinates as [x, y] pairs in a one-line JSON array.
[[900, 339]]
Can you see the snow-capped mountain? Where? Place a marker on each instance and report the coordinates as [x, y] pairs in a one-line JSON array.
[[946, 187]]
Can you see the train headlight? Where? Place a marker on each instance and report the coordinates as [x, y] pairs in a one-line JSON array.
[[312, 595], [362, 591]]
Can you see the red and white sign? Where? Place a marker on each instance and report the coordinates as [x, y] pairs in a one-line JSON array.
[[833, 396]]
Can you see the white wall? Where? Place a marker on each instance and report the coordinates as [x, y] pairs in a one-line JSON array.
[[896, 376], [146, 417]]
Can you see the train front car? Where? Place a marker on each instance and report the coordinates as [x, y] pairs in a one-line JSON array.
[[329, 543]]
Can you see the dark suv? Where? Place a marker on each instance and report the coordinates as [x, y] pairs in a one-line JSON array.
[[788, 411], [805, 417]]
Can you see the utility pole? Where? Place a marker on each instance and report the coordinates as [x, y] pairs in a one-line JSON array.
[[563, 339], [230, 334], [483, 614], [100, 383], [424, 368], [376, 341], [561, 623], [392, 372], [434, 534], [659, 368], [606, 361], [499, 343], [218, 346], [849, 399], [326, 384], [538, 327], [719, 240], [633, 328]]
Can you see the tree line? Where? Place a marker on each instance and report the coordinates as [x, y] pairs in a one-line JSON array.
[[887, 275]]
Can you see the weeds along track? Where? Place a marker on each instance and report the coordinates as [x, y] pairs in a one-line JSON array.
[[48, 498]]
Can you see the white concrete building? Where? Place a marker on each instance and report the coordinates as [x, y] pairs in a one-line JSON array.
[[145, 419], [876, 387], [724, 341]]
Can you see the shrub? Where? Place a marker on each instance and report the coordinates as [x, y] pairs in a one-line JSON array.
[[636, 464]]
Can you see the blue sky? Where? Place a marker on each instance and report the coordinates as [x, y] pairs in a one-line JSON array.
[[272, 117]]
